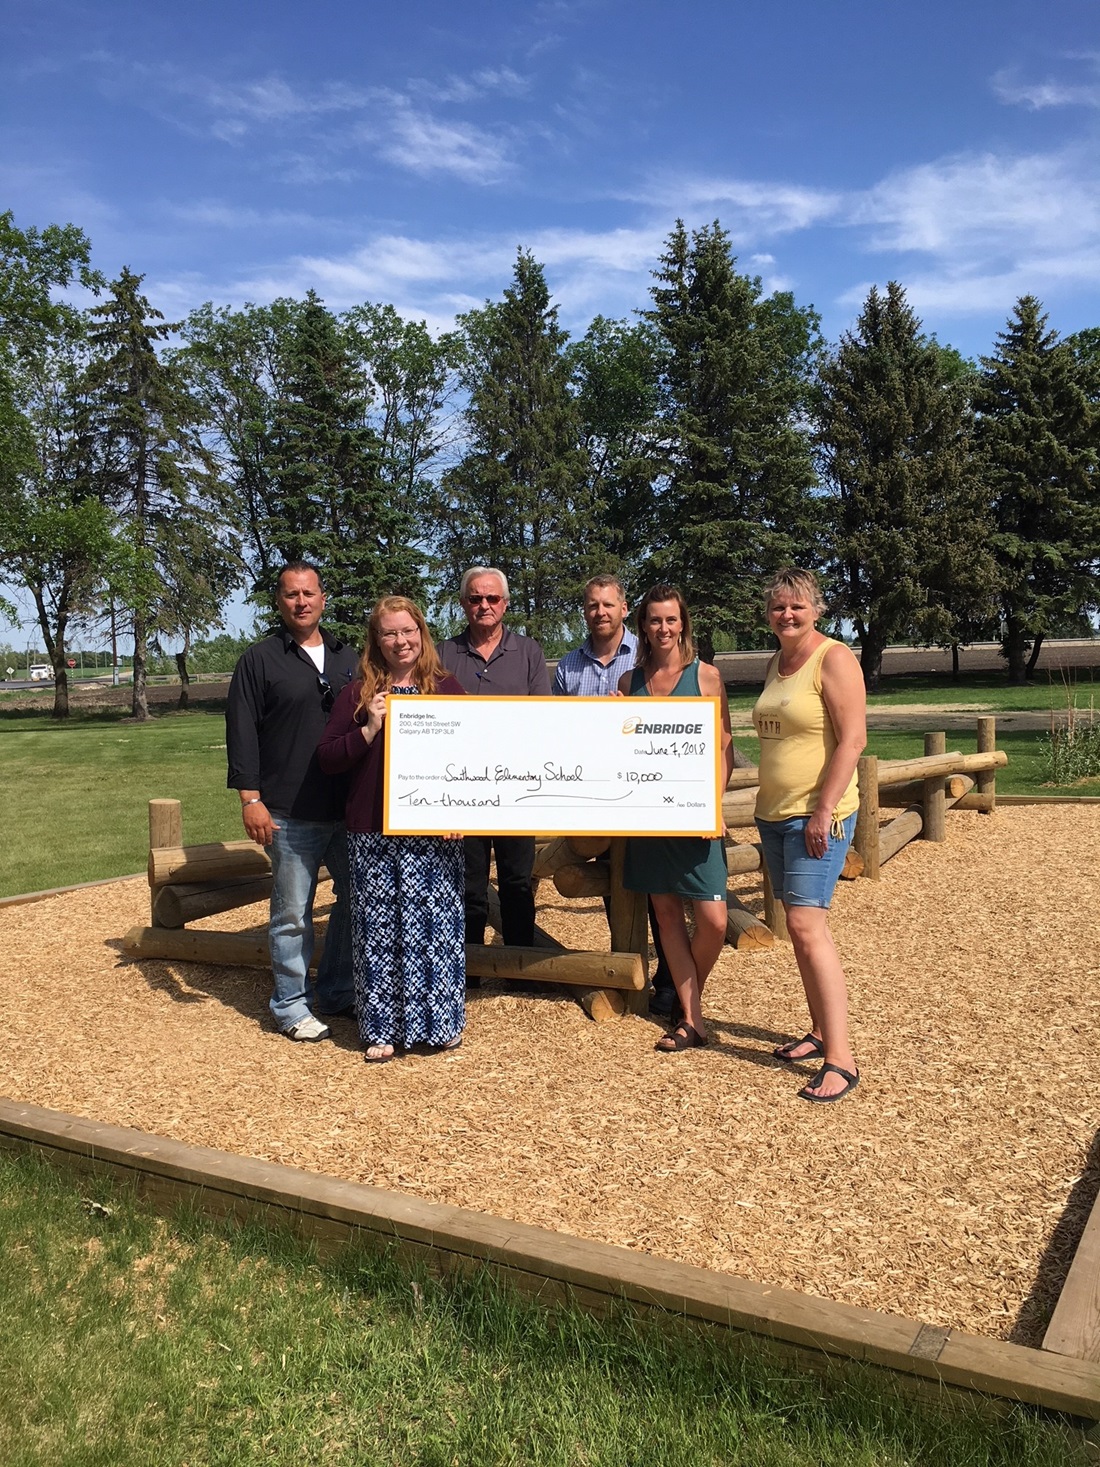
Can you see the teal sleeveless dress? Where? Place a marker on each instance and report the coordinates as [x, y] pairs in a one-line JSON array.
[[691, 866]]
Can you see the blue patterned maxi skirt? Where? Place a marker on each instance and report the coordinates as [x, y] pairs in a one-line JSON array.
[[408, 934]]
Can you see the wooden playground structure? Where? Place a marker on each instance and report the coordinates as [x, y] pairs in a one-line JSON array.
[[189, 883]]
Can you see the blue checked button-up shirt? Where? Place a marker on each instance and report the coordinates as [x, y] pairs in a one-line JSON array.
[[582, 675]]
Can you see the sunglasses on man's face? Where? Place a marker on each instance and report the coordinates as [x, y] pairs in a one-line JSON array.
[[489, 600]]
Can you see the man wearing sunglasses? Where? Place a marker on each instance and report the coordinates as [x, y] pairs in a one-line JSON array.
[[279, 700], [490, 660]]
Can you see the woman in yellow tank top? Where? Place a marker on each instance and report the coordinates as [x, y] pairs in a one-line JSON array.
[[811, 719]]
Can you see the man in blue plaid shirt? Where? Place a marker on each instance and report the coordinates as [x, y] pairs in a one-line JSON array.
[[593, 670]]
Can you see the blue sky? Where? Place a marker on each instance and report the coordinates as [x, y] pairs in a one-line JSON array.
[[240, 151]]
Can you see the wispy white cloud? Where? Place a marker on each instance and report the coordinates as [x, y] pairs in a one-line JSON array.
[[1009, 87], [212, 214], [984, 203], [502, 81], [314, 134], [971, 233], [424, 144], [760, 209]]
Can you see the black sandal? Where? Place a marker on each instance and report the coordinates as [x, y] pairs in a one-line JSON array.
[[682, 1037], [783, 1051], [853, 1081]]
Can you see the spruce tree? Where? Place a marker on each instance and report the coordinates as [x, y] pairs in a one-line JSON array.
[[906, 515], [1038, 440], [519, 498], [142, 428], [329, 503], [616, 370], [735, 488]]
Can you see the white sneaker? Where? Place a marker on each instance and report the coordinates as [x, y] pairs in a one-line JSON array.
[[308, 1029]]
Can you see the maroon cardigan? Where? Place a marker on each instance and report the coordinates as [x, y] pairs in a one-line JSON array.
[[343, 748]]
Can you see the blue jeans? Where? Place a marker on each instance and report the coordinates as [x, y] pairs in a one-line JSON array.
[[299, 848], [799, 879]]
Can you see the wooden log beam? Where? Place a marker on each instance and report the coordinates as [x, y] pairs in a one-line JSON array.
[[165, 823], [987, 779], [866, 836], [899, 796], [175, 906], [551, 854], [853, 865], [984, 804], [933, 798], [586, 879], [250, 950], [165, 829], [600, 1004], [741, 859], [901, 830], [629, 923], [588, 846], [744, 930], [895, 771], [775, 915], [616, 970], [247, 949], [739, 808], [910, 823], [743, 779], [218, 861], [196, 945]]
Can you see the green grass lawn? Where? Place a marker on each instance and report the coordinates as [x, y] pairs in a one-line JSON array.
[[133, 1342], [76, 793]]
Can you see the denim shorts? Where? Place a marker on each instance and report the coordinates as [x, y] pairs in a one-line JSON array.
[[797, 878]]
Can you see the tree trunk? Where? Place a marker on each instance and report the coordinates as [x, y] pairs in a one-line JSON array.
[[954, 662], [1034, 658], [139, 705], [872, 644], [185, 680], [1014, 647], [60, 686]]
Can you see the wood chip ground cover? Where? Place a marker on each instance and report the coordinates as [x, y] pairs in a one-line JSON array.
[[951, 1187]]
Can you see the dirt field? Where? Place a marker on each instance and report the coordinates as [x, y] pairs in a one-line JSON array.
[[951, 1187]]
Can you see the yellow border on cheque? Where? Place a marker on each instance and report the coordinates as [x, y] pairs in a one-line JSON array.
[[527, 700]]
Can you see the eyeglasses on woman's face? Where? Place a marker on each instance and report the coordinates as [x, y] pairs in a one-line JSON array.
[[399, 634]]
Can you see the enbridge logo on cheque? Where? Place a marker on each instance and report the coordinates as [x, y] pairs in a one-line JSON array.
[[639, 726]]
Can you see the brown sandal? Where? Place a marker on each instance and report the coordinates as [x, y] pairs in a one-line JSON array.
[[682, 1037]]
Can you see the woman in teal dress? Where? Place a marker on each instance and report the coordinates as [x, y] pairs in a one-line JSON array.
[[675, 869]]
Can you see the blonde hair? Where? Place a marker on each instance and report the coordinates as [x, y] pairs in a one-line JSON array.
[[373, 668], [662, 592], [795, 581]]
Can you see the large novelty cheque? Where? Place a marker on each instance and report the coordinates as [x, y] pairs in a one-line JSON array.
[[563, 766]]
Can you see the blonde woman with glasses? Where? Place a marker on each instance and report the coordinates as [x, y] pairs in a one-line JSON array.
[[408, 941]]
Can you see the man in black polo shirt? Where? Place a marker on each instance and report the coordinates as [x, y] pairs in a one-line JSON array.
[[279, 700], [489, 660]]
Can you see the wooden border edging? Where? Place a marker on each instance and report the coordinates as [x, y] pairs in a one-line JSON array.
[[1074, 1327], [26, 897], [547, 1264]]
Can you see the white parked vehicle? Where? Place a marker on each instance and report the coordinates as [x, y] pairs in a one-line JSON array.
[[41, 672]]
